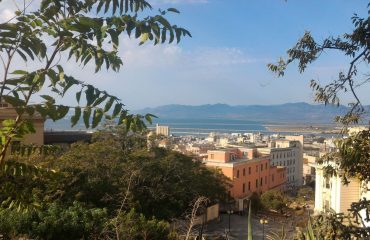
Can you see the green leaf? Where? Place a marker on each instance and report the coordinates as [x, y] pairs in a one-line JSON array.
[[62, 111], [86, 116], [48, 98], [90, 96], [173, 10], [76, 116], [109, 104], [97, 116], [78, 96], [14, 101], [20, 72], [117, 109]]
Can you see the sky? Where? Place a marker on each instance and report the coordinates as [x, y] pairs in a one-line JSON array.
[[225, 60]]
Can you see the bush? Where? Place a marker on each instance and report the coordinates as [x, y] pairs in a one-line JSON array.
[[306, 193], [274, 199], [256, 202], [54, 222], [134, 226]]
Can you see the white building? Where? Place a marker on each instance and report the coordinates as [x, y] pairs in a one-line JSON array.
[[332, 195], [162, 130], [288, 153], [309, 164]]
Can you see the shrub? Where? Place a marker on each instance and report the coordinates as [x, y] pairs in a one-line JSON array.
[[274, 199], [54, 221]]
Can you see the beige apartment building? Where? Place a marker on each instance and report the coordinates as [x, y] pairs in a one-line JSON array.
[[332, 195], [7, 111], [162, 130]]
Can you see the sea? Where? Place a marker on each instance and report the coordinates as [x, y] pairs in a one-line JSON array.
[[193, 127], [206, 126]]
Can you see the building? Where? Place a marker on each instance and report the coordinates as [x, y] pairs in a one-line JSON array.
[[309, 164], [288, 153], [65, 138], [198, 149], [7, 111], [331, 194], [248, 172], [162, 130]]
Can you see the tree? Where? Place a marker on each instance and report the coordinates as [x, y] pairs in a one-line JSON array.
[[273, 199], [98, 174], [86, 32], [353, 155]]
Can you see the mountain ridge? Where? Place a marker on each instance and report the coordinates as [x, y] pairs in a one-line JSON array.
[[299, 112]]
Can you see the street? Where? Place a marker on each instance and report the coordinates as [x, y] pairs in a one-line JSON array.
[[239, 226]]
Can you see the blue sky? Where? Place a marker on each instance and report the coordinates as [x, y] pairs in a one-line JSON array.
[[225, 60]]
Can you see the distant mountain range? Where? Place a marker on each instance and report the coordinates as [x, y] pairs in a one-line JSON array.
[[284, 113]]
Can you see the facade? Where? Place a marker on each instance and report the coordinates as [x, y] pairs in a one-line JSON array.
[[248, 171], [332, 195], [287, 153], [162, 130], [7, 111], [309, 164], [198, 149]]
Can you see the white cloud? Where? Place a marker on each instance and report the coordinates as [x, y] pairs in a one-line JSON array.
[[135, 56], [6, 14]]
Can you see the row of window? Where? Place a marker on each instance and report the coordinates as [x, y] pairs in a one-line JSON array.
[[282, 155], [282, 163], [250, 170], [291, 178], [260, 183]]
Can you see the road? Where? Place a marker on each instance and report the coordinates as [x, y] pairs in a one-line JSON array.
[[239, 227]]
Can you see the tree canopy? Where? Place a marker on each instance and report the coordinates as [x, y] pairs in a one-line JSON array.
[[84, 32]]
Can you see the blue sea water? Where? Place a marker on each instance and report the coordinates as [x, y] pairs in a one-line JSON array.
[[191, 126], [205, 126]]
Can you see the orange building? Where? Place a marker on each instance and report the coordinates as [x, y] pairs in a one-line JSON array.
[[247, 171]]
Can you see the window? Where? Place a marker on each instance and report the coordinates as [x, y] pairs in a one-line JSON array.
[[256, 183], [243, 187], [261, 167], [250, 170], [261, 182], [243, 171], [237, 174], [212, 156], [273, 179], [249, 186], [265, 165], [256, 168], [265, 179]]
